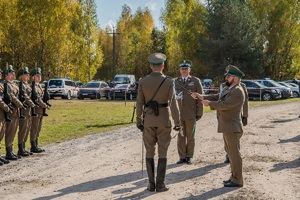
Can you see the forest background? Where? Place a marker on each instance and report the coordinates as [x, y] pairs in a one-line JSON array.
[[64, 38]]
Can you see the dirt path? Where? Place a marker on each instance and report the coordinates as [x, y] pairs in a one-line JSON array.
[[108, 166]]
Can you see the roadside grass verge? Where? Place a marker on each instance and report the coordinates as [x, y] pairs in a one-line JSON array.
[[70, 119]]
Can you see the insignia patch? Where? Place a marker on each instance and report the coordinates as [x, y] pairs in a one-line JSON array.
[[179, 95], [191, 84]]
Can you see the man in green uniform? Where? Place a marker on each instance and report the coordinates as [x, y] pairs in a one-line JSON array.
[[11, 127], [223, 88], [25, 123], [155, 101], [36, 124], [229, 106], [4, 109], [190, 111]]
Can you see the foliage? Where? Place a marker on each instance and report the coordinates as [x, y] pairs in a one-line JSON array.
[[282, 32], [234, 37], [60, 36]]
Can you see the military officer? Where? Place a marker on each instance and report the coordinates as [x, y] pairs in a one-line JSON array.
[[11, 127], [224, 87], [36, 124], [155, 101], [229, 106], [191, 111], [3, 111], [25, 123]]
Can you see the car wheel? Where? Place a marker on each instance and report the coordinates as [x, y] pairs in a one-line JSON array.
[[295, 94], [266, 96], [51, 97], [98, 96]]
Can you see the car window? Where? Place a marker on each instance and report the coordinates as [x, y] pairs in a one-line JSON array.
[[92, 85], [56, 83]]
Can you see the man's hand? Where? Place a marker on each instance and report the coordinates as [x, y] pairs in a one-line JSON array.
[[177, 128], [196, 95], [141, 127], [244, 121], [205, 102], [198, 117]]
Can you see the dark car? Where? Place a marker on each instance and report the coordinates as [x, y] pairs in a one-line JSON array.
[[285, 92], [258, 91], [94, 90], [119, 91]]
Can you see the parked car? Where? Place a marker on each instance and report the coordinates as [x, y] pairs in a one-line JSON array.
[[295, 89], [119, 91], [285, 92], [258, 91], [208, 86], [62, 87], [94, 90]]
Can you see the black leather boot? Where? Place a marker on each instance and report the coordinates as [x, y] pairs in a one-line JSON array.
[[4, 160], [150, 172], [34, 148], [1, 163], [161, 173], [9, 154], [21, 151], [30, 153], [37, 144]]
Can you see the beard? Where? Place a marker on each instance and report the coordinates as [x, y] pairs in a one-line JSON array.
[[229, 83]]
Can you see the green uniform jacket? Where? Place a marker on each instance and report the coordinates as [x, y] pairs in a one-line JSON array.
[[165, 95], [188, 106], [229, 109]]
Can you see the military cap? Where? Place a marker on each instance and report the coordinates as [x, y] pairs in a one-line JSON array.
[[9, 70], [186, 64], [157, 59], [230, 69], [36, 71], [23, 71]]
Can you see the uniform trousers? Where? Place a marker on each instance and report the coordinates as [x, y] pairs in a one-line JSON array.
[[36, 125], [232, 143], [24, 126], [186, 144], [159, 135], [2, 128], [11, 127]]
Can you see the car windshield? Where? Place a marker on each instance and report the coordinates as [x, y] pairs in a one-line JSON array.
[[285, 84], [92, 85], [275, 83], [121, 80], [259, 84], [55, 82]]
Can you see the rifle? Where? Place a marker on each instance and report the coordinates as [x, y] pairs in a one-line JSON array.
[[33, 98], [46, 99], [7, 101], [22, 99]]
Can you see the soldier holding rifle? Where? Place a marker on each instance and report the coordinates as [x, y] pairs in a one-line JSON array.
[[36, 96], [11, 127], [155, 101], [25, 122], [4, 109], [191, 111]]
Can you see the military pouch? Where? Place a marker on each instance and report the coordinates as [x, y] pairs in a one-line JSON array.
[[154, 106]]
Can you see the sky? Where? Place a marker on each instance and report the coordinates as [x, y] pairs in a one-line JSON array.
[[109, 11]]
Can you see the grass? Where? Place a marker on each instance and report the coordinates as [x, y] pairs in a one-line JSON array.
[[70, 119]]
